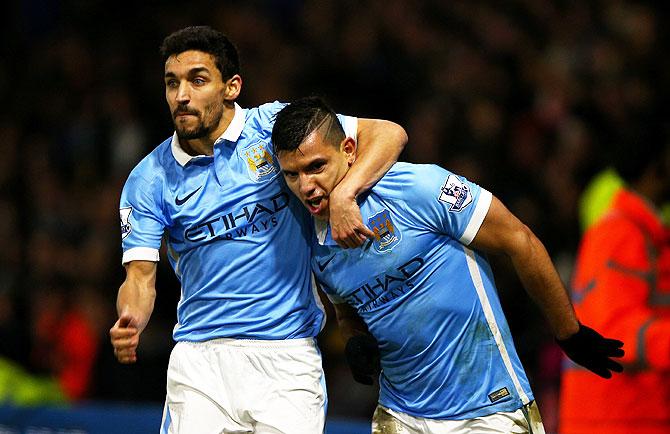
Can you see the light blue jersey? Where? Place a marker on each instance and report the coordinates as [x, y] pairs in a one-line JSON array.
[[236, 237], [429, 300]]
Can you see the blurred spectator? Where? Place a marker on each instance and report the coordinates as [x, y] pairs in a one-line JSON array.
[[66, 332], [622, 286]]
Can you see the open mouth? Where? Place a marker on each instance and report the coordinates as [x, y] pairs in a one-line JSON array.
[[314, 204]]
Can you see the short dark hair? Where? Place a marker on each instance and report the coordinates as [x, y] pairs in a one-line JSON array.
[[207, 40], [641, 146], [297, 120]]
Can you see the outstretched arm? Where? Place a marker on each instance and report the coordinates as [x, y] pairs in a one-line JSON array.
[[502, 232], [379, 145], [134, 305]]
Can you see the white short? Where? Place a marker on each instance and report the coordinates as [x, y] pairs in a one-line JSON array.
[[525, 420], [245, 386]]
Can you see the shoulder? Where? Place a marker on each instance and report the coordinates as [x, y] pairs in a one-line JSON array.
[[417, 174], [407, 179], [264, 113], [152, 168], [258, 121]]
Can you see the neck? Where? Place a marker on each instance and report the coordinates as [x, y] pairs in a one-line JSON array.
[[194, 147]]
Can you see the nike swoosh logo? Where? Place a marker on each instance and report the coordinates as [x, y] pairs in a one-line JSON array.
[[322, 265], [183, 200]]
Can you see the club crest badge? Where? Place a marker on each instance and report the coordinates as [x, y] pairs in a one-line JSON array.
[[456, 193], [260, 162], [126, 227], [387, 234]]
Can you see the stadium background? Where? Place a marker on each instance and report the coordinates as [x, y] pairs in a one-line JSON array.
[[521, 96]]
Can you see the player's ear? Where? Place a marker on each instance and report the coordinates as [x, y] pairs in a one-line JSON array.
[[348, 146], [233, 87]]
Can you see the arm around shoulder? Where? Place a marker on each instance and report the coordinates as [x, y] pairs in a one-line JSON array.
[[379, 143]]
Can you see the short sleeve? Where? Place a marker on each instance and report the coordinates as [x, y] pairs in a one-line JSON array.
[[266, 114], [142, 224], [350, 125], [447, 203]]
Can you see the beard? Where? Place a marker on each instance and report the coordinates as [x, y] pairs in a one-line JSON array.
[[189, 133], [206, 123]]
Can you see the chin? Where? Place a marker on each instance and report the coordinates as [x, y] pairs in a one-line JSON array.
[[190, 134]]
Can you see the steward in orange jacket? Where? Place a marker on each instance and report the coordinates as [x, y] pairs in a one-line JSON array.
[[622, 287]]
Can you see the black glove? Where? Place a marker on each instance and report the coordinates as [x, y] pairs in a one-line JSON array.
[[362, 355], [590, 349]]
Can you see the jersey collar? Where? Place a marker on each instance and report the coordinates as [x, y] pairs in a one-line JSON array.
[[231, 134], [323, 234]]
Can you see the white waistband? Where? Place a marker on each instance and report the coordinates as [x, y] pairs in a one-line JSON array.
[[254, 343]]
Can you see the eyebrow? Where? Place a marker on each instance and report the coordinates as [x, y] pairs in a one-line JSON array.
[[315, 162], [191, 72], [198, 70]]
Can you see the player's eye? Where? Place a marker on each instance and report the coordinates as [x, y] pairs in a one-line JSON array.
[[171, 83], [317, 166], [199, 81]]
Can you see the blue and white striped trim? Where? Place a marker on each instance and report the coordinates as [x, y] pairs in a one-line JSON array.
[[167, 420], [478, 215], [140, 254], [476, 276]]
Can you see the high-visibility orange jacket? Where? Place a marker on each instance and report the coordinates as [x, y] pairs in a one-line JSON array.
[[621, 288]]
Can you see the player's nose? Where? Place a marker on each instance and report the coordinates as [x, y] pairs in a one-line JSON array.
[[183, 95], [307, 185]]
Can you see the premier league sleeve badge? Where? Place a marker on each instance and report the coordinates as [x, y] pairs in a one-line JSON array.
[[456, 193]]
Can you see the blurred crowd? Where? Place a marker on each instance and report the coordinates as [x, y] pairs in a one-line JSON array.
[[521, 96]]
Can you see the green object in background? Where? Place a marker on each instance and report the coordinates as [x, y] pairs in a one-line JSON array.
[[18, 387], [665, 213], [597, 197]]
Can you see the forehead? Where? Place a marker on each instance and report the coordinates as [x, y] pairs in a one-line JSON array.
[[312, 148], [188, 60]]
